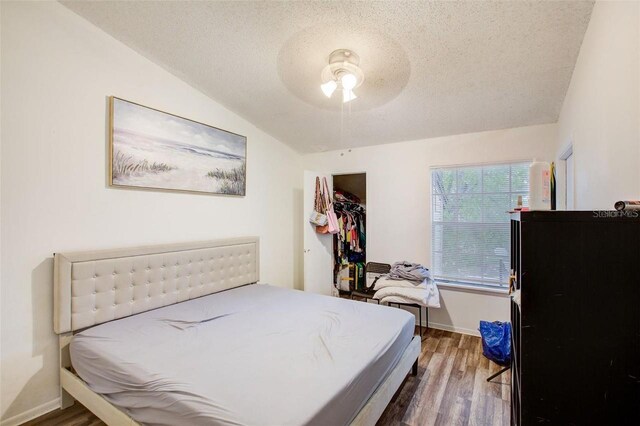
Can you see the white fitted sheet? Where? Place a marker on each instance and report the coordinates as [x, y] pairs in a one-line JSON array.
[[254, 355]]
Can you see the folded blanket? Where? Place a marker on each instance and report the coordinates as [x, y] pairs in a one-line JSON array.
[[386, 282], [408, 271], [428, 295], [398, 299]]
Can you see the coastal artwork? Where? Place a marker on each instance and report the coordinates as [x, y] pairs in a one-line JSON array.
[[157, 150]]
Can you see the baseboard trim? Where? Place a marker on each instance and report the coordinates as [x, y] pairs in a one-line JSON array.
[[32, 413], [449, 327]]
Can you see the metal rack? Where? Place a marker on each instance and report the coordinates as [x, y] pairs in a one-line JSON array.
[[384, 268]]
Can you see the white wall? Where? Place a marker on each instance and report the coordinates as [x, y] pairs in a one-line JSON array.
[[601, 113], [398, 202], [57, 71]]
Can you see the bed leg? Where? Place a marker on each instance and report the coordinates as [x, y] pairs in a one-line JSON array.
[[66, 400], [64, 339], [414, 369]]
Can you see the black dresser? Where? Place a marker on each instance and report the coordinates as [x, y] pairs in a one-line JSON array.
[[576, 333]]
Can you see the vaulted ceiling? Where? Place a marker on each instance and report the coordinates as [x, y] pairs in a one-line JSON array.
[[431, 68]]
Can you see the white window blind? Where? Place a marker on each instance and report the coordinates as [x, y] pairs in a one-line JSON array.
[[470, 224]]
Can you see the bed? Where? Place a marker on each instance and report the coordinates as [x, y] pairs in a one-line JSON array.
[[183, 334]]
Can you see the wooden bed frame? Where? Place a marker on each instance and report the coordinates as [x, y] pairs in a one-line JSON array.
[[92, 288]]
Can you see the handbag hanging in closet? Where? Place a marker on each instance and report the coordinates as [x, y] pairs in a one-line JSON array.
[[318, 216], [332, 218], [331, 226]]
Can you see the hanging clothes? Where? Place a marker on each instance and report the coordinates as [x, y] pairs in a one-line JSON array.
[[349, 244], [350, 240]]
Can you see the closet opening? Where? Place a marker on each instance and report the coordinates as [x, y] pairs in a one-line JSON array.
[[350, 243]]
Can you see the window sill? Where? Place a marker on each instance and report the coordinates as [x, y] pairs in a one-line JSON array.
[[501, 292]]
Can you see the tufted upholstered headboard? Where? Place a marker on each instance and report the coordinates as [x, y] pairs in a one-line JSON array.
[[99, 286]]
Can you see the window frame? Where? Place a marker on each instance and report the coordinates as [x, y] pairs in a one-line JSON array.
[[457, 282]]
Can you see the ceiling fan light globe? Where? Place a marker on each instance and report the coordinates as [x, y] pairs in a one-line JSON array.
[[349, 81], [328, 88], [348, 95]]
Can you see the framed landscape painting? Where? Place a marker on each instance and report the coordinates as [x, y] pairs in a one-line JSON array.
[[152, 149]]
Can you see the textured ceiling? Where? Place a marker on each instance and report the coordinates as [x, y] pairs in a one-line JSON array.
[[431, 68]]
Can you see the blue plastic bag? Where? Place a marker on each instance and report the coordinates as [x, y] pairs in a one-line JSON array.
[[496, 341]]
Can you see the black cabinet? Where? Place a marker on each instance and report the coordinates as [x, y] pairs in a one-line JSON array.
[[576, 333]]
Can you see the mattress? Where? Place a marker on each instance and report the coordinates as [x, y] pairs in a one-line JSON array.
[[254, 355]]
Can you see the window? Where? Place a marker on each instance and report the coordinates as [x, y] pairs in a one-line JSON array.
[[470, 224]]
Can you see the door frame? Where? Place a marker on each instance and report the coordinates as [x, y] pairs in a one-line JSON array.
[[366, 180]]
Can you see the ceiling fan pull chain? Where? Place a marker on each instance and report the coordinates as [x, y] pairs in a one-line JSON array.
[[349, 125]]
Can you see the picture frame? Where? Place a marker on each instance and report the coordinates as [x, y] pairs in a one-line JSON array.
[[151, 149]]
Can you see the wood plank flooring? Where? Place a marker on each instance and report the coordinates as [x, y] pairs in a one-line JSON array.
[[450, 389], [451, 386]]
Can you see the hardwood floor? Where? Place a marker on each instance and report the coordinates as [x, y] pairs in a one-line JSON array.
[[451, 386], [450, 389], [76, 415]]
